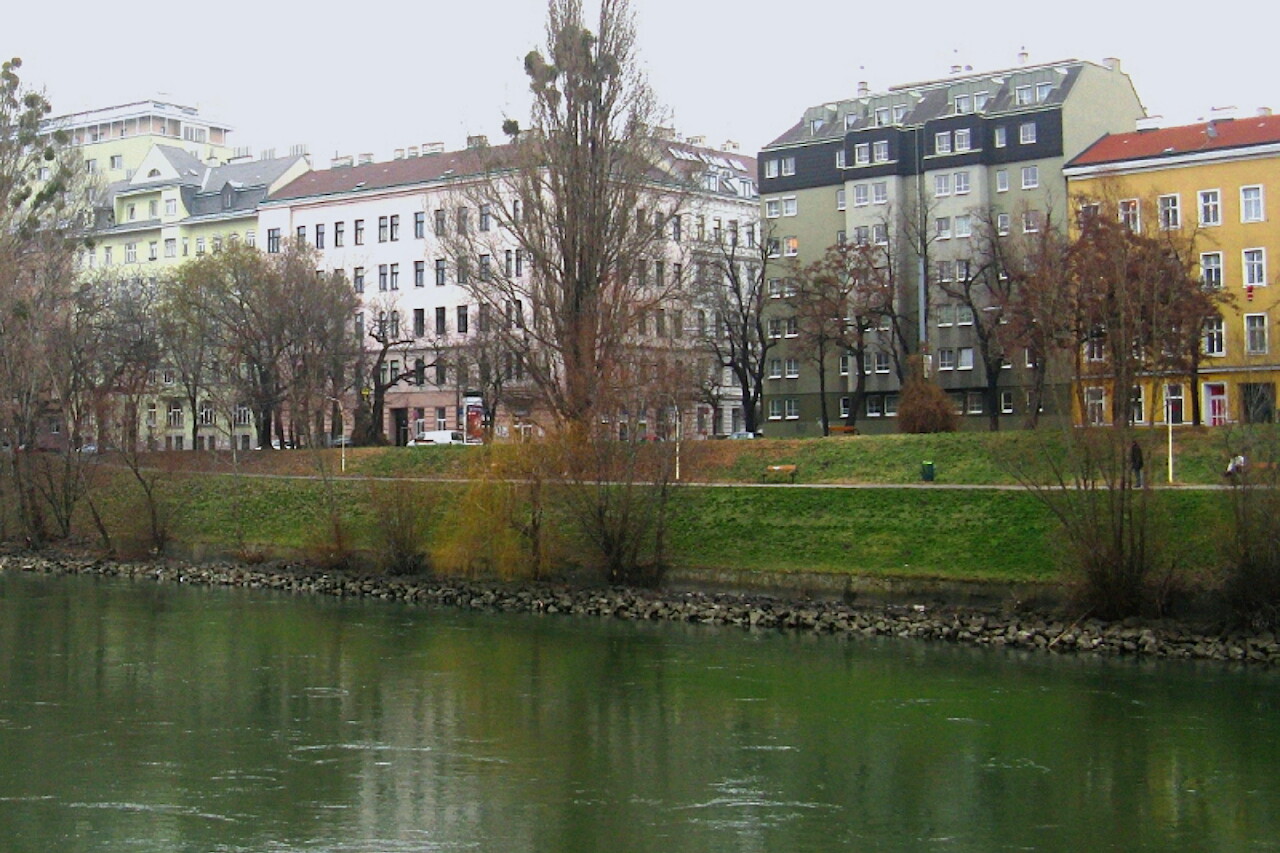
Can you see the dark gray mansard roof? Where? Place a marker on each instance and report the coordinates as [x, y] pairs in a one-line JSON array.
[[930, 100]]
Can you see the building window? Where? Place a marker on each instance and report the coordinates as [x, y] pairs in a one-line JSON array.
[[881, 364], [793, 366], [1210, 207], [441, 274], [1030, 221], [486, 217], [788, 166], [302, 235], [1255, 267], [962, 183], [357, 279], [1251, 208], [882, 116], [171, 207], [1001, 136], [319, 235], [789, 208], [1131, 214], [772, 208], [441, 320], [946, 359], [420, 224], [382, 229], [1255, 334], [1214, 341], [880, 151], [973, 402], [395, 227], [130, 253], [395, 276], [170, 248], [875, 406], [880, 192], [792, 408], [1042, 92], [862, 154], [273, 240], [359, 232], [791, 246], [942, 227], [942, 142], [840, 203], [1170, 215], [1002, 180], [1095, 405], [464, 320], [1027, 132], [419, 273], [964, 358], [1006, 402], [382, 277], [941, 185], [1023, 96], [1030, 177], [1002, 224], [964, 225], [440, 222], [964, 139], [861, 195], [339, 234], [891, 405], [1211, 270], [461, 219], [880, 234], [775, 409]]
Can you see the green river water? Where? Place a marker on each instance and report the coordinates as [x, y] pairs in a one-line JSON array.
[[144, 717]]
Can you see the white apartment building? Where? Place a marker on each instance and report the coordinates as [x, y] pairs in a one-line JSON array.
[[387, 227]]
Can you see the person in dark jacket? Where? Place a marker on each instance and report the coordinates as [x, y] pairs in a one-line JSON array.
[[1136, 462]]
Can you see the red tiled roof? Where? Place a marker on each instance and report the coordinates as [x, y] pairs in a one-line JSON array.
[[393, 173], [1217, 135]]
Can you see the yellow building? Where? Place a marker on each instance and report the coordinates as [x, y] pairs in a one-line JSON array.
[[1219, 184]]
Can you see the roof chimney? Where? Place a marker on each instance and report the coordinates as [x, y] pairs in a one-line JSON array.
[[956, 69], [397, 154], [697, 140], [413, 151], [1263, 112], [432, 148], [365, 159], [477, 141], [1023, 56], [863, 89], [340, 161], [729, 146], [1111, 63], [1149, 122]]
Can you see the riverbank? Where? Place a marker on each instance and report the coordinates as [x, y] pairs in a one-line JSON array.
[[1034, 630]]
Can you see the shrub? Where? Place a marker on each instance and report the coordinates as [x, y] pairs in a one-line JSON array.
[[923, 406], [400, 520]]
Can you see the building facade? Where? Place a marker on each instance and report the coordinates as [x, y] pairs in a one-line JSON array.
[[1216, 184], [392, 229], [932, 173]]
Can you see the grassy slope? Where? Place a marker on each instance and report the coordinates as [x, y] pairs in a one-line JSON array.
[[982, 533]]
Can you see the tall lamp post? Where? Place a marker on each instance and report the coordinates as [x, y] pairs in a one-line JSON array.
[[342, 439]]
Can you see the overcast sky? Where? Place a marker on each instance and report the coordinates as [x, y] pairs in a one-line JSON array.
[[357, 77]]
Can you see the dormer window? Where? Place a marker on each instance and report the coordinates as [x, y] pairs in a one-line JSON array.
[[882, 117], [1042, 92], [154, 173], [899, 113], [815, 125], [850, 120], [980, 101], [1022, 95], [227, 198], [964, 104]]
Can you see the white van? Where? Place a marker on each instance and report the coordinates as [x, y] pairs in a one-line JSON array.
[[437, 436]]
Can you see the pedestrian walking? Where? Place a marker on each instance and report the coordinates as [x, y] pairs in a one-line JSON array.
[[1135, 463]]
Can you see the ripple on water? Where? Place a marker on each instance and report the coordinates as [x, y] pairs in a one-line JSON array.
[[155, 808]]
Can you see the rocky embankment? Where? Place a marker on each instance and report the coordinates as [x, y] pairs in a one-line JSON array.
[[975, 627]]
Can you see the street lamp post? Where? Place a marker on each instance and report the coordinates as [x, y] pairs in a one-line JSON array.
[[342, 439]]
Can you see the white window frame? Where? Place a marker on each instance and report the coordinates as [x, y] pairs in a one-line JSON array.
[[772, 208], [964, 226], [1255, 325], [1130, 213], [1169, 211], [942, 185], [788, 165], [1252, 209], [1211, 270], [946, 359], [1002, 180], [792, 408], [1095, 405], [880, 192], [942, 142], [942, 227], [1210, 207], [963, 140], [840, 199], [960, 180], [1030, 177], [1027, 133], [1023, 96], [1213, 342], [1003, 223], [862, 154], [770, 169], [1000, 137], [790, 206], [880, 151], [1254, 262], [861, 195]]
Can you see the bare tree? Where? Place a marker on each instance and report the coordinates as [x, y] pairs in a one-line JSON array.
[[730, 298], [394, 352]]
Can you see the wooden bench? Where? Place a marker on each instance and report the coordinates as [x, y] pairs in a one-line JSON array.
[[789, 471], [843, 429]]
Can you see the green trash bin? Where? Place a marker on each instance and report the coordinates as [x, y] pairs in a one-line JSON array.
[[926, 472]]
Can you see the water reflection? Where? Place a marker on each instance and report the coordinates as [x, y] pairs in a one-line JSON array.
[[145, 717]]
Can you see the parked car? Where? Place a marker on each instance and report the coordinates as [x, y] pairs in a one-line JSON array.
[[742, 435], [340, 441], [437, 436]]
